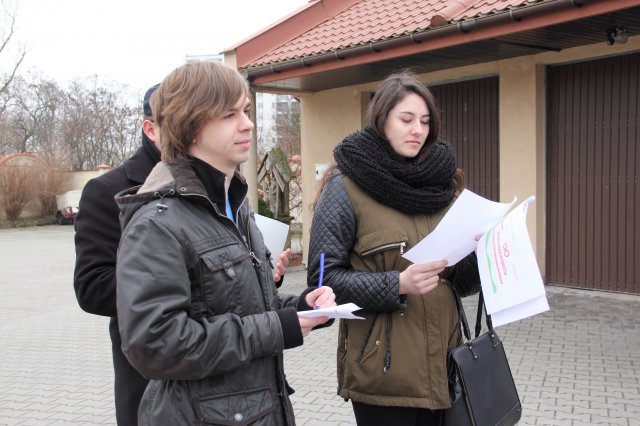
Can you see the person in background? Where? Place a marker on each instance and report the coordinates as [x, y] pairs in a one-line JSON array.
[[198, 309], [392, 183], [96, 241]]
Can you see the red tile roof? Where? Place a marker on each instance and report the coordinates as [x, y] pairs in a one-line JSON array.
[[369, 21]]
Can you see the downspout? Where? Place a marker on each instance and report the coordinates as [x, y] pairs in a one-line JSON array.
[[428, 34]]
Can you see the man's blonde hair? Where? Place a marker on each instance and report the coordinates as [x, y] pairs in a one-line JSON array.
[[188, 98]]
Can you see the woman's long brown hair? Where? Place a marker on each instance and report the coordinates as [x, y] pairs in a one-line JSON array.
[[392, 90]]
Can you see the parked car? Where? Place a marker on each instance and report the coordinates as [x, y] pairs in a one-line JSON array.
[[67, 206]]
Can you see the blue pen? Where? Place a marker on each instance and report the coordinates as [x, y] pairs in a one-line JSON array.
[[321, 275], [321, 270]]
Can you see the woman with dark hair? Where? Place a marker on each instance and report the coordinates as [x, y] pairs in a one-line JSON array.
[[393, 182]]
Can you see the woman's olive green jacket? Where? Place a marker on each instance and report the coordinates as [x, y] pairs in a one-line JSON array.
[[397, 355]]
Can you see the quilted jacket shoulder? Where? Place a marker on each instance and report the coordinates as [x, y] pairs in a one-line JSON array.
[[333, 232]]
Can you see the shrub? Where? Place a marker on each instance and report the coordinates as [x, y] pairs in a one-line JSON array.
[[52, 182], [18, 185]]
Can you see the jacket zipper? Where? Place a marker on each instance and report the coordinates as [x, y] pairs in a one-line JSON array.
[[343, 361], [256, 262], [401, 245], [387, 356], [233, 261], [366, 340]]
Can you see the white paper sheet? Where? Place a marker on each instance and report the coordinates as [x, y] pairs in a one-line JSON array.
[[454, 237], [274, 233], [521, 311], [340, 311], [509, 273], [511, 282]]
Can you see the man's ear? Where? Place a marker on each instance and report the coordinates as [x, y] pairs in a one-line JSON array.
[[151, 130]]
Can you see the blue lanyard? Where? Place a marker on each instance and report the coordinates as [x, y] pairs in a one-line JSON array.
[[228, 206]]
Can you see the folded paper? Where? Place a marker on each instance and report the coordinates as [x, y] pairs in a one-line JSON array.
[[340, 311]]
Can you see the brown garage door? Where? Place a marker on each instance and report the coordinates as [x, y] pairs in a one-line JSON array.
[[470, 123], [593, 162]]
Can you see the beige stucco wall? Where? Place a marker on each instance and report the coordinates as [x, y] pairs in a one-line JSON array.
[[521, 108], [79, 179], [330, 115]]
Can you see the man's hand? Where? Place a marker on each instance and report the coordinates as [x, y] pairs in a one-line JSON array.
[[306, 324], [282, 264]]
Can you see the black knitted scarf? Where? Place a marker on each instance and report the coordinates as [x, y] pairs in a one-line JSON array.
[[400, 183]]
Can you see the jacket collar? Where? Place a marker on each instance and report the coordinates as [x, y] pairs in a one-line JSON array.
[[137, 167], [181, 179], [213, 182]]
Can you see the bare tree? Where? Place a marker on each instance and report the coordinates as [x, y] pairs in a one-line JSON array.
[[77, 129], [8, 17], [288, 139], [8, 64], [288, 125], [31, 117], [99, 126]]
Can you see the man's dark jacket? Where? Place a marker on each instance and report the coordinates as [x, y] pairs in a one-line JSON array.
[[97, 238]]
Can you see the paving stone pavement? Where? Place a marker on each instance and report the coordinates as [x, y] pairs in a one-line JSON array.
[[577, 364]]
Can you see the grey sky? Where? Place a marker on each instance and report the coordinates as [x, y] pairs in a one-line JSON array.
[[134, 42]]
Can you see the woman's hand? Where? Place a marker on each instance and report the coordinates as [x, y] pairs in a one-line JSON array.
[[322, 297], [281, 266], [421, 278]]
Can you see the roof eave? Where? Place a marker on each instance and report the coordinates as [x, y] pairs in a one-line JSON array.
[[308, 16], [455, 33]]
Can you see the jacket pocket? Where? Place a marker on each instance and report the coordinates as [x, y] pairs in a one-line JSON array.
[[224, 284], [225, 258], [240, 408], [382, 250], [367, 338]]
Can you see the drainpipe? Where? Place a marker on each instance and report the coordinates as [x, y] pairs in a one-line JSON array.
[[429, 34]]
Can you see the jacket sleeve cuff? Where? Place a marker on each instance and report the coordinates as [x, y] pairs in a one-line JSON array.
[[302, 302], [280, 281], [291, 331]]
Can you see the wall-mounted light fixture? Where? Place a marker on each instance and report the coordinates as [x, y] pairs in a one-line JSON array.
[[617, 35]]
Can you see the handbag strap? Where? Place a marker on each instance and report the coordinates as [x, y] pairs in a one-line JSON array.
[[487, 317], [463, 317], [479, 316], [479, 313]]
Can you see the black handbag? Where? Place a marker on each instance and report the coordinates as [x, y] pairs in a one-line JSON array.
[[480, 382]]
